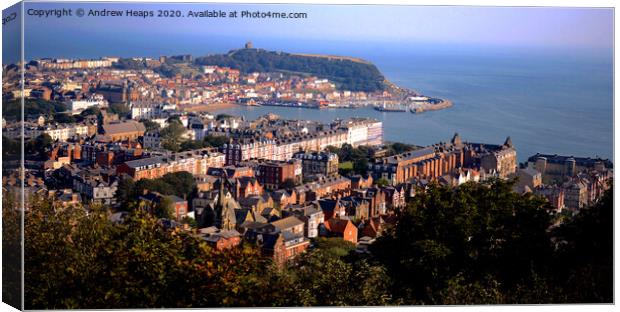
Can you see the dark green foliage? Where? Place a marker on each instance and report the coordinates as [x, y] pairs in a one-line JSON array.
[[149, 125], [180, 184], [215, 141], [359, 156], [382, 182], [64, 118], [208, 141], [289, 184], [164, 208], [118, 108], [399, 148], [347, 74], [11, 147], [337, 247], [11, 110], [191, 145], [331, 274], [482, 243], [171, 136], [585, 249], [127, 63], [11, 249], [84, 261], [479, 243], [360, 166], [125, 190], [93, 110], [38, 145], [166, 70]]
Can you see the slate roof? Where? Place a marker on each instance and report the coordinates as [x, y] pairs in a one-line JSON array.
[[123, 127], [287, 223]]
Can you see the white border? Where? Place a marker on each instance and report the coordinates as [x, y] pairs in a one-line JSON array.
[[533, 3]]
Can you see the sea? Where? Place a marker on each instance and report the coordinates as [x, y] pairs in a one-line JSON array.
[[546, 103], [553, 101]]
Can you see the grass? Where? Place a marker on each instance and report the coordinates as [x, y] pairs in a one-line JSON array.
[[346, 165]]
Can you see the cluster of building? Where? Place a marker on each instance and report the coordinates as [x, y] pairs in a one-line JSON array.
[[452, 163], [144, 83], [274, 182], [569, 183]]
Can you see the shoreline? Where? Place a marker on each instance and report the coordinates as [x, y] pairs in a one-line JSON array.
[[444, 104], [208, 108]]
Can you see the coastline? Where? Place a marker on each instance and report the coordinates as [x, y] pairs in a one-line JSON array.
[[208, 108], [431, 107]]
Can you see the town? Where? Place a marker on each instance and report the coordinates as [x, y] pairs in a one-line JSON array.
[[96, 132]]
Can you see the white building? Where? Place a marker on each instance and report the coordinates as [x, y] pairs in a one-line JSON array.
[[77, 106], [364, 132]]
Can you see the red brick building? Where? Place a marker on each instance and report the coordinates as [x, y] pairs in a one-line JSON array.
[[341, 228], [273, 174]]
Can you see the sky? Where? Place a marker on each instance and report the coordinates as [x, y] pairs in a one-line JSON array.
[[544, 28]]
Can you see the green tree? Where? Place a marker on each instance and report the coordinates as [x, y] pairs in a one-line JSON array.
[[215, 141], [585, 253], [38, 145], [122, 110], [382, 182], [360, 166], [150, 125], [477, 230], [171, 136], [289, 183], [164, 208], [125, 190], [93, 110], [192, 145], [330, 275], [80, 260], [64, 118]]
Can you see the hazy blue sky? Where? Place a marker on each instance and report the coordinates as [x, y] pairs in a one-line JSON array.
[[536, 28]]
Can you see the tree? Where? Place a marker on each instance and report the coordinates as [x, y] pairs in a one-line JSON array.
[[476, 236], [80, 260], [585, 256], [12, 110], [171, 136], [181, 184], [347, 74], [332, 275], [360, 166], [150, 125], [64, 118], [11, 249], [93, 110], [164, 208], [289, 183], [192, 145], [382, 182], [11, 147], [122, 110], [399, 148], [215, 141], [125, 190], [38, 145]]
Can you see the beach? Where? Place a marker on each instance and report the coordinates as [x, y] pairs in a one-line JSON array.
[[209, 108]]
